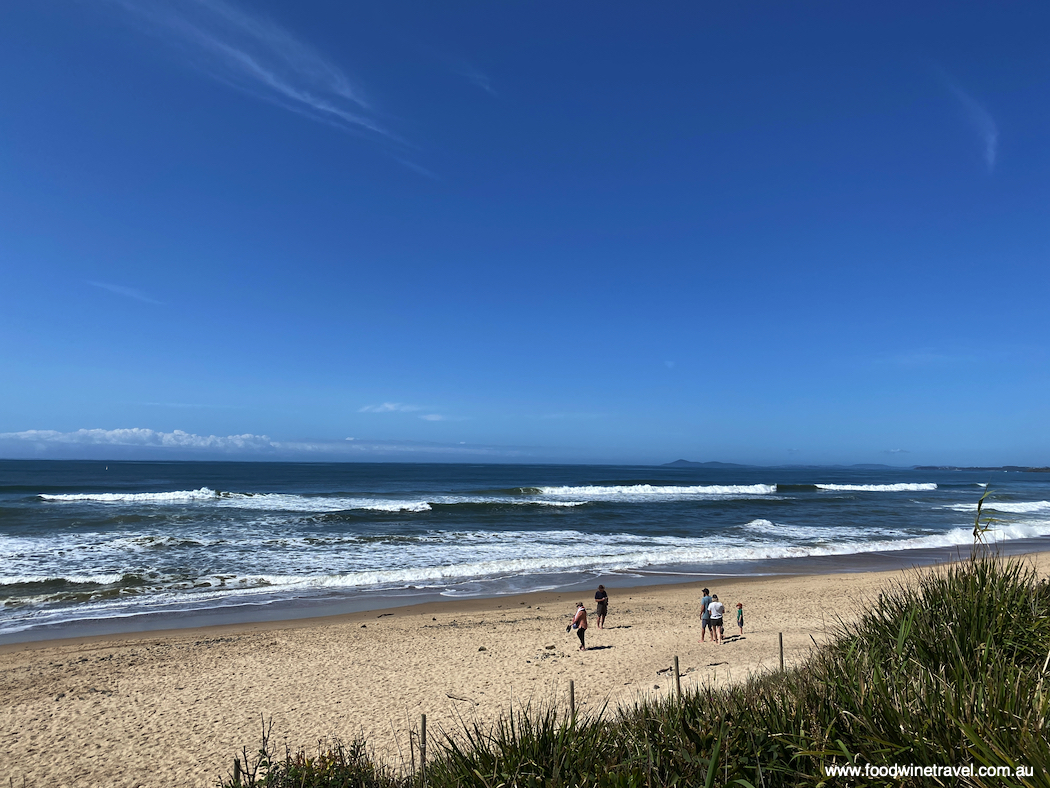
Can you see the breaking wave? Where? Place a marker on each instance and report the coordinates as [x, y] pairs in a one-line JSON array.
[[657, 491], [279, 502], [877, 487], [98, 580], [179, 496]]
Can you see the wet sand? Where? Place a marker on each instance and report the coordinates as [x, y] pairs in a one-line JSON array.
[[174, 707]]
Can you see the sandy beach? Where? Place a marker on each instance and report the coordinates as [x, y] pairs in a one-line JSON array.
[[173, 708]]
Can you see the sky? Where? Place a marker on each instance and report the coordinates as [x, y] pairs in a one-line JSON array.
[[525, 231]]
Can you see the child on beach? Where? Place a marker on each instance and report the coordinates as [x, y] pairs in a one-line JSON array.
[[740, 617], [579, 623]]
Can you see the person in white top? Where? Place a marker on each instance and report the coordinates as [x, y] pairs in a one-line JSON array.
[[717, 611]]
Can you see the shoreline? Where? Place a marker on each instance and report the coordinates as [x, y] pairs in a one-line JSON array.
[[441, 606], [320, 610], [174, 707]]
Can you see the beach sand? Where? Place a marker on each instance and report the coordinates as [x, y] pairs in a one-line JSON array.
[[175, 707]]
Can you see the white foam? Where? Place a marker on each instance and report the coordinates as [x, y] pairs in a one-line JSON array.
[[503, 500], [638, 558], [442, 560], [807, 535], [762, 525], [567, 504], [657, 491], [1027, 507], [877, 487]]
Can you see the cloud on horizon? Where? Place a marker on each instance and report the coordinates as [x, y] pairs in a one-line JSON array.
[[139, 437], [144, 443]]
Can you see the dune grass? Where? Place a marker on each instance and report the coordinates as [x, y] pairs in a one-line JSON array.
[[948, 670]]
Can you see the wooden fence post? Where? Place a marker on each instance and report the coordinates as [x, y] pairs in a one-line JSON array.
[[781, 650], [423, 748], [412, 749], [677, 678]]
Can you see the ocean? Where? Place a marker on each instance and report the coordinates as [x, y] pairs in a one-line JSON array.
[[97, 547]]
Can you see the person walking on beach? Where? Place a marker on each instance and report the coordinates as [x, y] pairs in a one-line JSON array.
[[740, 617], [705, 616], [602, 601], [717, 611], [579, 623]]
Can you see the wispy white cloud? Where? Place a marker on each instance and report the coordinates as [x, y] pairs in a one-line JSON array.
[[417, 168], [925, 357], [897, 451], [477, 78], [258, 56], [183, 405], [401, 407], [979, 117], [127, 292], [570, 416], [390, 407]]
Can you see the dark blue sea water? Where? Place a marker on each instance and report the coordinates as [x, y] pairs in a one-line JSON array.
[[137, 545]]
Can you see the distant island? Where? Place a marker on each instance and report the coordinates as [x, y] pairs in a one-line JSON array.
[[688, 464]]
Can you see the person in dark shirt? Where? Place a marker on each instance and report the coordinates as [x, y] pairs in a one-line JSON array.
[[602, 600], [705, 617]]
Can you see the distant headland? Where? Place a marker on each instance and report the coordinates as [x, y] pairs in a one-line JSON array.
[[1022, 468], [862, 467], [865, 467]]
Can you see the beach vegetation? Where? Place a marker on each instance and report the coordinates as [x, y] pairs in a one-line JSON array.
[[951, 669]]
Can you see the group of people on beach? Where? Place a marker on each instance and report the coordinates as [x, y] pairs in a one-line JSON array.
[[579, 619], [712, 617]]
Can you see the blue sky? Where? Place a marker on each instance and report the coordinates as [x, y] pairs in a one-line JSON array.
[[525, 231]]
